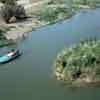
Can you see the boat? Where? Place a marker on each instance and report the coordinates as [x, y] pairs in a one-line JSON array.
[[9, 56]]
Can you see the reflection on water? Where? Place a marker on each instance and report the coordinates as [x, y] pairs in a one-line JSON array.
[[31, 76]]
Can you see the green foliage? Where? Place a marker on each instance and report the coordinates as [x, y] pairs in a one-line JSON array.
[[48, 15], [80, 61], [2, 35], [91, 3], [3, 41], [51, 15], [8, 2], [9, 11], [59, 1]]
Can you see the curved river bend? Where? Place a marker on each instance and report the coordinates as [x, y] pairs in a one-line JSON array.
[[30, 78]]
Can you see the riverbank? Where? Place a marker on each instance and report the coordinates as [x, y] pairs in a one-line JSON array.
[[79, 64], [20, 29], [50, 13], [36, 20], [37, 17]]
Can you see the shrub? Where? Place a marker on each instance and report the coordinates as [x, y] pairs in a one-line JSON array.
[[8, 2], [9, 11], [80, 61], [2, 35], [49, 14]]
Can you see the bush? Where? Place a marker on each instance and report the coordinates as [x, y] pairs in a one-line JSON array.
[[2, 35], [8, 2], [9, 11], [49, 14], [80, 61]]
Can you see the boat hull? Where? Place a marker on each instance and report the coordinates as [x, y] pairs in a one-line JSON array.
[[5, 58]]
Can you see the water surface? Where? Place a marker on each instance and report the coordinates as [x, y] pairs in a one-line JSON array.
[[30, 77]]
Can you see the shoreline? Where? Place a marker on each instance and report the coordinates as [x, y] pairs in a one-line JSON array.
[[76, 66], [21, 29]]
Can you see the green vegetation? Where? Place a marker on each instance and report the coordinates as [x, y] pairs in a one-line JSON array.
[[53, 14], [8, 2], [57, 10], [80, 63], [1, 35], [90, 3], [3, 40], [11, 11]]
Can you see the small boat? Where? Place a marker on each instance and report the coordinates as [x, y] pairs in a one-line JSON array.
[[9, 56]]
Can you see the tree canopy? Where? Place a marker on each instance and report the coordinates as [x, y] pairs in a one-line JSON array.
[[10, 2]]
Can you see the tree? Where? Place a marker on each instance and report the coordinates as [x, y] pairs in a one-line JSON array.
[[8, 2], [84, 2], [11, 11]]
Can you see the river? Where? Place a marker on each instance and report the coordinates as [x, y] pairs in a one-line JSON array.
[[30, 77]]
